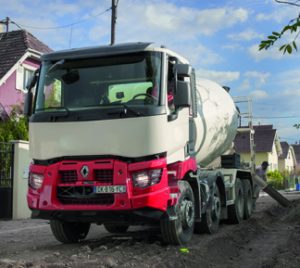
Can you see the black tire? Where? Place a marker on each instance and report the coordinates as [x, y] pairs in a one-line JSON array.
[[179, 231], [211, 219], [256, 190], [248, 199], [69, 232], [116, 228], [236, 211]]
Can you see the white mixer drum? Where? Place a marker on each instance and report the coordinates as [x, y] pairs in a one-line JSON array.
[[216, 122]]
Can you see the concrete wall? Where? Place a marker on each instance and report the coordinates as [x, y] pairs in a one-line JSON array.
[[20, 184]]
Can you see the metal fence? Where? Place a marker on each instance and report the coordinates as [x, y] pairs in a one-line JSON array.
[[6, 179]]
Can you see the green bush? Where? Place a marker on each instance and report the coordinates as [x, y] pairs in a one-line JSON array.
[[275, 179], [14, 128]]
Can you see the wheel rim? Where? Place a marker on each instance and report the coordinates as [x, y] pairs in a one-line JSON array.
[[240, 202], [187, 214], [249, 200], [216, 207]]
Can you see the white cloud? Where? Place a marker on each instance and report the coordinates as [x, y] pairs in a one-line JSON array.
[[245, 85], [259, 94], [197, 54], [221, 77], [232, 47], [271, 53], [246, 35], [279, 15], [62, 9], [261, 77], [167, 21], [253, 80], [289, 80], [291, 92], [213, 20]]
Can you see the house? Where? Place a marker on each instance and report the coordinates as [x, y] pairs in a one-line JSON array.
[[296, 148], [267, 146], [20, 55], [287, 160]]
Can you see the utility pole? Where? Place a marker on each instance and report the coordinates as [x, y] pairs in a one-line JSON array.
[[113, 21]]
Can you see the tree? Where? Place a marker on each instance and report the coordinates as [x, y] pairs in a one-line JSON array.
[[292, 27], [15, 127]]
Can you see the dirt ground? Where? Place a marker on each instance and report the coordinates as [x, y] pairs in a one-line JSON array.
[[271, 238]]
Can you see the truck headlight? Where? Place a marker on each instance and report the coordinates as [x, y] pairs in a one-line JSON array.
[[147, 178], [35, 180]]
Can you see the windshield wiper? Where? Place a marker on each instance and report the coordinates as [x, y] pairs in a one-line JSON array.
[[56, 112], [126, 110]]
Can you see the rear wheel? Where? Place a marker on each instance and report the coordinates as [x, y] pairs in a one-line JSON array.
[[211, 219], [236, 211], [179, 229], [248, 200], [69, 232], [116, 228]]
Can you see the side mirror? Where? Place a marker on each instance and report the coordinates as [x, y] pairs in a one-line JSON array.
[[28, 104], [29, 96], [183, 94], [183, 70]]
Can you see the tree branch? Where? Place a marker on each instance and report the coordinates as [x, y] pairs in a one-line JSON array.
[[296, 3]]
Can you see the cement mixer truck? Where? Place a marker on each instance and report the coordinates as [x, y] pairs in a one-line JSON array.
[[120, 136]]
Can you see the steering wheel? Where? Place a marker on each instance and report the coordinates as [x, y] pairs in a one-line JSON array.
[[144, 94]]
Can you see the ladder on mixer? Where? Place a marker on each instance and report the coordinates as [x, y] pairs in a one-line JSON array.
[[248, 116]]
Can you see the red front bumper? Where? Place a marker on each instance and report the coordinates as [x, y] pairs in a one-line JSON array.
[[66, 188]]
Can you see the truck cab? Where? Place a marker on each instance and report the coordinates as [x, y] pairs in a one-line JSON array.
[[109, 135]]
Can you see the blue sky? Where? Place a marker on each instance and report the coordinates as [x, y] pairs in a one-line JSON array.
[[220, 38]]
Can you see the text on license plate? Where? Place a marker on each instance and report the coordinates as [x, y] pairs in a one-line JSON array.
[[110, 189]]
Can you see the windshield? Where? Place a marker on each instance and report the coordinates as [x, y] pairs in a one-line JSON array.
[[115, 81]]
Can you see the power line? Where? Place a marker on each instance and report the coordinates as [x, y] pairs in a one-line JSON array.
[[274, 117], [61, 26]]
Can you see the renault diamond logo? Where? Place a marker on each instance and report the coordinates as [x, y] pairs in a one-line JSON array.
[[84, 171]]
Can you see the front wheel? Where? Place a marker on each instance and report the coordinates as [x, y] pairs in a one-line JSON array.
[[211, 219], [69, 232], [179, 228]]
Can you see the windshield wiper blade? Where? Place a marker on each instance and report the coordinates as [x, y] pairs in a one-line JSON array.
[[127, 109], [58, 114]]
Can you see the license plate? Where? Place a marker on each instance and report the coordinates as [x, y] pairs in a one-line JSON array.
[[110, 189]]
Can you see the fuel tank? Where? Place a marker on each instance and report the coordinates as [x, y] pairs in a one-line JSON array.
[[216, 123]]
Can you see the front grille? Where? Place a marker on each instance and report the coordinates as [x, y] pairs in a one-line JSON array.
[[67, 176], [104, 175], [82, 195]]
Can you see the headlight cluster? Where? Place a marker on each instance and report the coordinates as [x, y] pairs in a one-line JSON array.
[[35, 180], [147, 178]]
